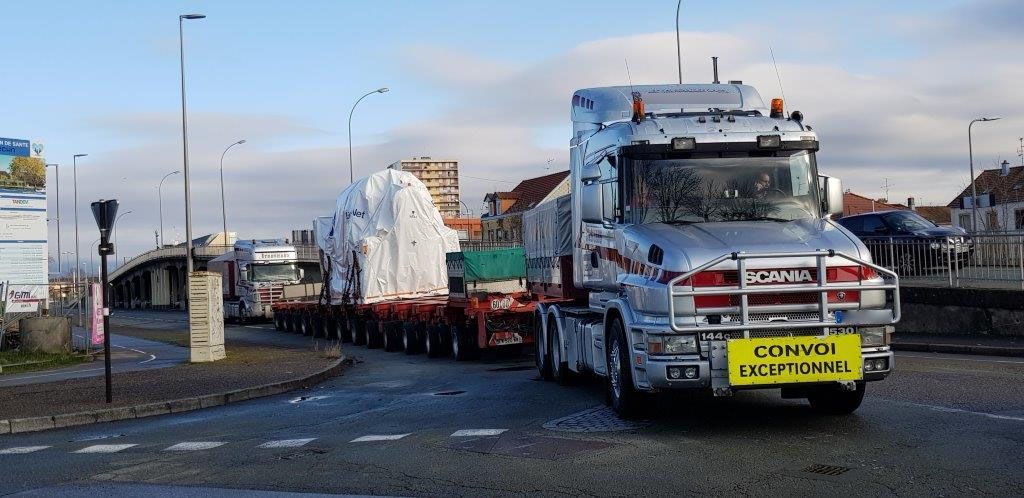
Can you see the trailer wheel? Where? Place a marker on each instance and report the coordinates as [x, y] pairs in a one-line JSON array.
[[831, 400], [463, 347], [289, 322], [303, 324], [622, 396], [409, 343], [559, 367], [541, 357], [389, 336], [340, 330], [278, 321], [433, 343], [316, 322], [373, 335], [357, 329]]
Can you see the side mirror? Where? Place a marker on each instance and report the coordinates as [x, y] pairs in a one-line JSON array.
[[302, 273], [590, 173], [591, 203], [832, 202]]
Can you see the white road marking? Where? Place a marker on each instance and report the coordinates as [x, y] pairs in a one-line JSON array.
[[947, 409], [104, 448], [378, 437], [477, 432], [195, 446], [286, 443], [21, 450], [151, 358], [982, 360]]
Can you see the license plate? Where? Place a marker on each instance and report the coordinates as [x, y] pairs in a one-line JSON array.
[[794, 360], [505, 339]]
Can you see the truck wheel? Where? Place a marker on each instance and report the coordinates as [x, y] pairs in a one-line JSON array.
[[622, 396], [389, 336], [559, 367], [409, 343], [373, 335], [462, 349], [304, 326], [278, 321], [433, 342], [832, 400], [357, 329], [289, 322], [540, 349], [316, 322]]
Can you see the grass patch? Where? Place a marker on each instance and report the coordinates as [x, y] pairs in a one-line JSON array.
[[23, 361]]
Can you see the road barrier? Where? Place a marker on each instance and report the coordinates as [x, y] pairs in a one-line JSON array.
[[987, 260]]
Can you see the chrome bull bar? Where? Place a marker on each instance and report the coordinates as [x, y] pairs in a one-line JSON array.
[[744, 291]]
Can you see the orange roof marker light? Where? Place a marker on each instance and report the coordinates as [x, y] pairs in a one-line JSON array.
[[638, 108], [777, 112]]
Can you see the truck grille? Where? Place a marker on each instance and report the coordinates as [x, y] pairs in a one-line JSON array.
[[269, 295]]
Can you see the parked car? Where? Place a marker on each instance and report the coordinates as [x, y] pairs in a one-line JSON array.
[[907, 242]]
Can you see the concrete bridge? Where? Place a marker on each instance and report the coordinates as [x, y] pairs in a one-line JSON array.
[[156, 279]]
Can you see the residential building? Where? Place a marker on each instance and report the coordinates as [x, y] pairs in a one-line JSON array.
[[1000, 201], [468, 228], [503, 221], [858, 204], [441, 176]]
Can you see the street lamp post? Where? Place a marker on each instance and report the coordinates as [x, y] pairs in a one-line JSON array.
[[679, 50], [223, 205], [351, 175], [113, 230], [184, 140], [92, 262], [74, 171], [160, 203], [970, 155], [56, 175]]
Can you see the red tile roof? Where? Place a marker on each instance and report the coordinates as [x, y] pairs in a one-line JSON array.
[[940, 215], [1005, 189], [534, 190], [857, 204]]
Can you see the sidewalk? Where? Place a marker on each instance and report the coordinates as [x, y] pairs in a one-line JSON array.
[[959, 344]]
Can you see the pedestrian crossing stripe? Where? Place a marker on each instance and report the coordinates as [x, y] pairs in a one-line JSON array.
[[105, 448], [195, 446], [21, 450], [286, 443], [477, 432], [378, 437]]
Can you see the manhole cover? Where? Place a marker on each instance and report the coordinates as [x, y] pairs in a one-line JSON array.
[[520, 368], [826, 470], [597, 419], [449, 393]]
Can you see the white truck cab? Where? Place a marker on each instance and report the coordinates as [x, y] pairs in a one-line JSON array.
[[703, 254], [254, 274]]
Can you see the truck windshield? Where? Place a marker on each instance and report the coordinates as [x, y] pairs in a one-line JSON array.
[[700, 189], [274, 272]]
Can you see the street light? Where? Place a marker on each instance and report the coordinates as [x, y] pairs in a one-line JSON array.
[[160, 202], [970, 154], [56, 175], [223, 206], [113, 230], [184, 140], [74, 171], [351, 177], [679, 51]]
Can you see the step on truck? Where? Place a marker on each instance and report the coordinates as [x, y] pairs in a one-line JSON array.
[[696, 251], [395, 278]]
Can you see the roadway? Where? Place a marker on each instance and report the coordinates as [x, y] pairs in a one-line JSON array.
[[407, 425]]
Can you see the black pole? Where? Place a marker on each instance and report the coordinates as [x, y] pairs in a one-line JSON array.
[[106, 320]]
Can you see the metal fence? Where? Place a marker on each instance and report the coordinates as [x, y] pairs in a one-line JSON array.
[[978, 260]]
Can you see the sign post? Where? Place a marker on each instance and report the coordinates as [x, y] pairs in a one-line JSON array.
[[105, 213]]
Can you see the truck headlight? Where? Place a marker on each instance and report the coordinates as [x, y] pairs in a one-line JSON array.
[[671, 344], [873, 336]]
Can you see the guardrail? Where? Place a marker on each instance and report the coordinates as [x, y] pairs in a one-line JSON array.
[[979, 260], [304, 253]]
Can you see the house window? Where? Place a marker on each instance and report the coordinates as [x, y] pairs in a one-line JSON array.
[[965, 221], [1018, 219], [992, 220]]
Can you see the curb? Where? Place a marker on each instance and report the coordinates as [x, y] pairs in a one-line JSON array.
[[34, 424], [924, 347]]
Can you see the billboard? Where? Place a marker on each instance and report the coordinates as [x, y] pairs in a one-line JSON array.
[[23, 230]]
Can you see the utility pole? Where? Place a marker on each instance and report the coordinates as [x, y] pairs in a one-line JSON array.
[[886, 187]]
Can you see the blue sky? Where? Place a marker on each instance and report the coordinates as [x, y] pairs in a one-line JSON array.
[[484, 82]]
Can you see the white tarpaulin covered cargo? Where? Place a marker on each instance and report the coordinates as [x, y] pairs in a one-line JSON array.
[[387, 225]]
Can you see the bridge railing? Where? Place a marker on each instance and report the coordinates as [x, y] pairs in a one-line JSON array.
[[303, 252]]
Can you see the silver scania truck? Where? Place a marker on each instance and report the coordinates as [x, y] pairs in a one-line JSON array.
[[696, 250]]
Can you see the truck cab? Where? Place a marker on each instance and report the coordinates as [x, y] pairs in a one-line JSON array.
[[703, 244], [254, 274]]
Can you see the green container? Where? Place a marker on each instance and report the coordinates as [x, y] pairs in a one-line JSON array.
[[492, 265]]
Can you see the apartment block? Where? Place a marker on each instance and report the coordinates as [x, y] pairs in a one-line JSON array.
[[441, 176]]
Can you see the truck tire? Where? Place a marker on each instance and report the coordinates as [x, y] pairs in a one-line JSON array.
[[559, 367], [410, 343], [832, 400], [357, 329], [540, 352], [340, 329], [433, 345], [304, 326], [622, 396], [373, 335], [278, 321], [462, 345], [289, 322], [317, 323], [389, 336]]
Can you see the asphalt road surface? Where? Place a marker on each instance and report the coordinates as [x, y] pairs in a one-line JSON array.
[[407, 425]]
